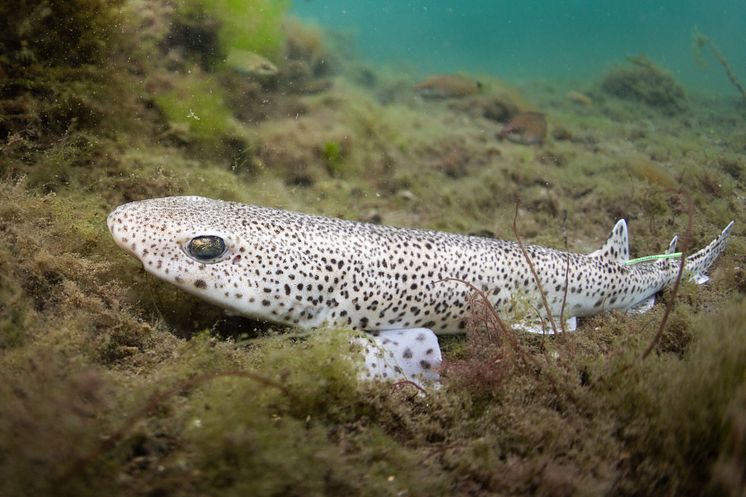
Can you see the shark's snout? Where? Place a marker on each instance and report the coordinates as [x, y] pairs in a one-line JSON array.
[[121, 222], [110, 221]]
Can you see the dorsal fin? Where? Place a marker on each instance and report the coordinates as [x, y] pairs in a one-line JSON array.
[[616, 247], [672, 246]]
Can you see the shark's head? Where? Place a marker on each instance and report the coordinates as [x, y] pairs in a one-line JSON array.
[[194, 243]]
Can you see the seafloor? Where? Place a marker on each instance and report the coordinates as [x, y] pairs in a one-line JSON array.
[[113, 383]]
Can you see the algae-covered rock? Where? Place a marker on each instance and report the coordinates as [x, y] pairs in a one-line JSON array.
[[196, 104], [306, 43], [301, 153], [56, 64], [247, 25], [447, 86], [527, 128], [644, 82], [58, 32]]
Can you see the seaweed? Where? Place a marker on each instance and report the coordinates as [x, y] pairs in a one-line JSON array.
[[643, 81], [58, 32], [332, 153], [226, 25], [700, 42], [306, 44], [196, 105]]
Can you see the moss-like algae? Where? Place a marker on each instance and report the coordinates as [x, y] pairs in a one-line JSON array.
[[58, 32], [644, 82], [251, 25], [196, 105]]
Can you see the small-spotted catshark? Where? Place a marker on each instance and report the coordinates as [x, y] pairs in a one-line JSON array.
[[402, 284]]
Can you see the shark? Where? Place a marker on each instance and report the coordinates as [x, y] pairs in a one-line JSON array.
[[401, 286]]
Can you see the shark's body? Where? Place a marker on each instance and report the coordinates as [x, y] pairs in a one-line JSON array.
[[311, 271]]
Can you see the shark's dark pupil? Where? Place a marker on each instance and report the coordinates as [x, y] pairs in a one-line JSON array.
[[206, 248]]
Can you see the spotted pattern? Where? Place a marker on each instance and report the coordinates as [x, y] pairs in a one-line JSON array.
[[309, 271], [412, 354]]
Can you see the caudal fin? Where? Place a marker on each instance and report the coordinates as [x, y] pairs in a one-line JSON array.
[[698, 263]]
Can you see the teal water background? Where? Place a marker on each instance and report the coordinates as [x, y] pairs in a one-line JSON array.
[[573, 40]]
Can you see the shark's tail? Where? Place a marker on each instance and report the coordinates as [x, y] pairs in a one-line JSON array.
[[698, 263]]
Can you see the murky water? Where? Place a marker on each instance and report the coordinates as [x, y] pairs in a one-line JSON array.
[[573, 40]]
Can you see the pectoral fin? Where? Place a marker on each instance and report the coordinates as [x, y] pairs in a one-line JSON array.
[[406, 354]]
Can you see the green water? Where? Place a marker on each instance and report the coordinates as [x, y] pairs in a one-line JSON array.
[[572, 40]]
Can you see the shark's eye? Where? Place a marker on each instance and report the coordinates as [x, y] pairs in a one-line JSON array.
[[206, 248]]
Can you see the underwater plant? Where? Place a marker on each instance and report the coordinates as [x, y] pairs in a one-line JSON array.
[[700, 42], [333, 155], [196, 105], [246, 25], [306, 44], [58, 32], [643, 81]]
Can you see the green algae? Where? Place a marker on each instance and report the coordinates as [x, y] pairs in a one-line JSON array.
[[59, 32], [332, 152], [673, 428], [644, 82], [253, 25], [196, 105], [106, 364]]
